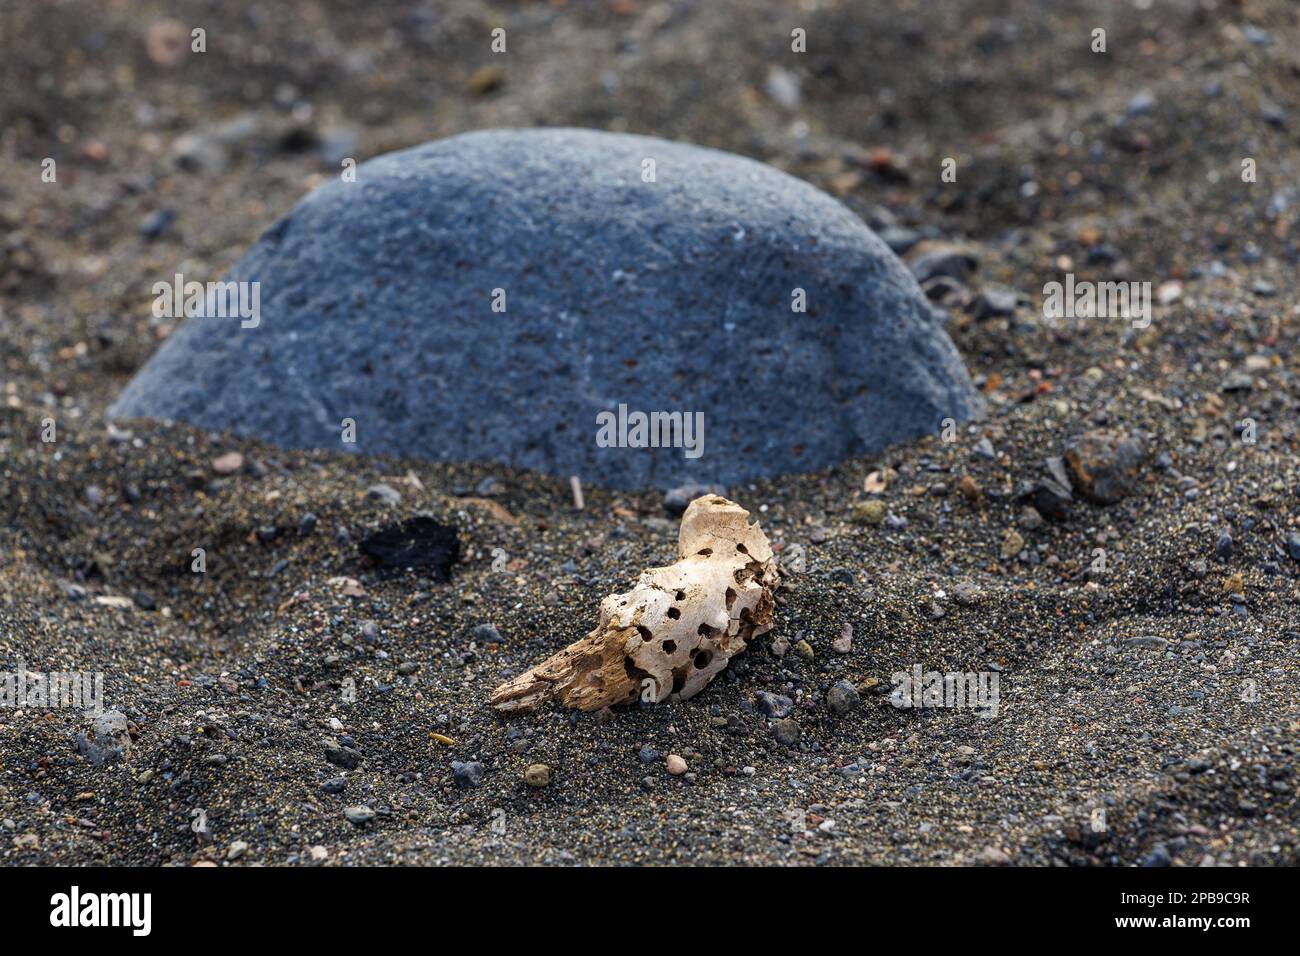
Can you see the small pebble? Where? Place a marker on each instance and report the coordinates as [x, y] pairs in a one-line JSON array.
[[467, 774], [787, 731], [359, 816], [385, 493], [228, 464], [869, 512], [842, 697], [774, 705], [1223, 547], [844, 643]]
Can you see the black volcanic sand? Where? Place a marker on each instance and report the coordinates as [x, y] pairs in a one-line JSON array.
[[1163, 689]]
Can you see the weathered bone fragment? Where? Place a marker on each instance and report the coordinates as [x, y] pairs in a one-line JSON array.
[[674, 630]]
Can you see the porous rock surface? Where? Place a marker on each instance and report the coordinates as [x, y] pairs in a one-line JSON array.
[[675, 630]]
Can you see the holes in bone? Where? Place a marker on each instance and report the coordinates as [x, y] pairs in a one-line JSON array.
[[706, 631], [731, 597], [701, 659], [634, 673], [742, 549], [670, 647], [674, 613], [681, 596], [679, 680], [704, 552], [644, 632]]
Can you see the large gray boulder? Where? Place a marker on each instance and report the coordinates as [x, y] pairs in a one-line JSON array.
[[633, 272]]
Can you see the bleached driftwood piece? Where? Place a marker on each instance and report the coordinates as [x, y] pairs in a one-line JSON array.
[[674, 630]]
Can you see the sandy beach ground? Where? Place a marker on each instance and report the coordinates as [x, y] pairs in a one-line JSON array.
[[298, 704]]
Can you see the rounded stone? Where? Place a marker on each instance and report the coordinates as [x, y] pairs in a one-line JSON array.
[[110, 738], [524, 296], [842, 697], [787, 731]]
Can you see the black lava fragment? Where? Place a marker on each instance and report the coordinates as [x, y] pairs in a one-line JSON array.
[[418, 542]]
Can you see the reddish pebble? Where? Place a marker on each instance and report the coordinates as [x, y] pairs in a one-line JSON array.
[[228, 464]]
